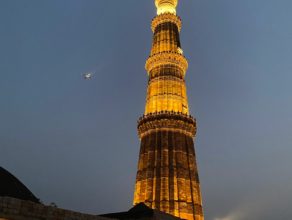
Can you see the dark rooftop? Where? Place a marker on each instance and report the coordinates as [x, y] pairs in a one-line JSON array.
[[141, 211], [10, 186]]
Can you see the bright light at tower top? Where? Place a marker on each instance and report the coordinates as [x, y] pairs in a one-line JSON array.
[[166, 6]]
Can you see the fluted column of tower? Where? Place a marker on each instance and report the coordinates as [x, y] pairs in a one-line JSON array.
[[167, 177]]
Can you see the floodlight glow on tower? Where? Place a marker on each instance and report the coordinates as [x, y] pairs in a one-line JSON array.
[[166, 6], [167, 177]]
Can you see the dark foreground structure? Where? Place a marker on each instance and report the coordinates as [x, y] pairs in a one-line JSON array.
[[18, 203], [10, 186]]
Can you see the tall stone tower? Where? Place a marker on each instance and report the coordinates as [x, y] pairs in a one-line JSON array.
[[167, 177]]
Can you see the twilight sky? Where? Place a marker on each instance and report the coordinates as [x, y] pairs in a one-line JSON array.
[[74, 142]]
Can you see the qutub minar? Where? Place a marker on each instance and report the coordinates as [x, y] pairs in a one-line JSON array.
[[167, 177]]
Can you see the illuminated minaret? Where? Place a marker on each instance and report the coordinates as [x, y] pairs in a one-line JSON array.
[[167, 177]]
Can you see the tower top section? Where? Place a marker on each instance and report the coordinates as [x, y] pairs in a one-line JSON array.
[[166, 6]]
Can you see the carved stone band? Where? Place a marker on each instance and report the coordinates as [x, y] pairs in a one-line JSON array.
[[167, 121], [167, 58], [167, 17]]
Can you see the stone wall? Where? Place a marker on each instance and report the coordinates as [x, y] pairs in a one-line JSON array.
[[15, 209]]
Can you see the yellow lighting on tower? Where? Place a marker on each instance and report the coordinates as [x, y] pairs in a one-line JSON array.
[[166, 6], [167, 176]]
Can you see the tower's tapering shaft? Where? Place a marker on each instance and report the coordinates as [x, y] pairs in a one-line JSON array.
[[167, 177]]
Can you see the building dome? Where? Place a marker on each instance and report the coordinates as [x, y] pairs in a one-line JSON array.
[[10, 186]]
